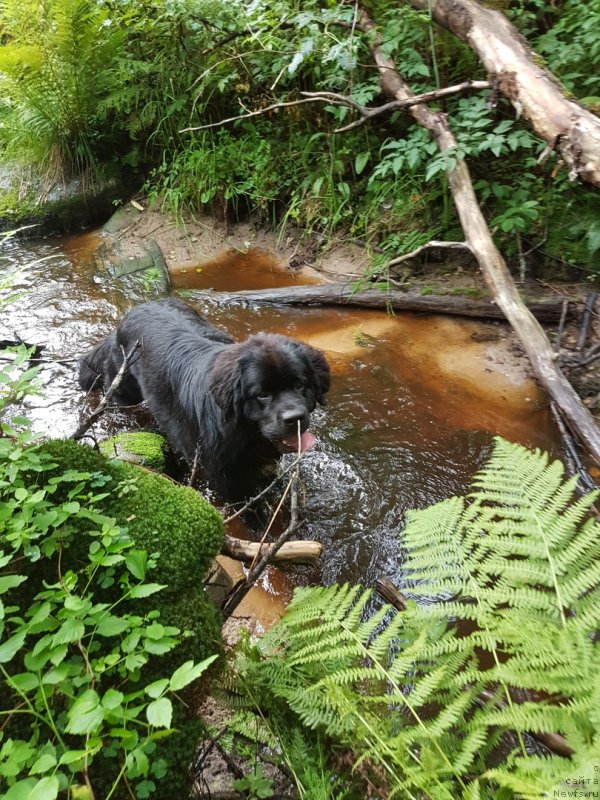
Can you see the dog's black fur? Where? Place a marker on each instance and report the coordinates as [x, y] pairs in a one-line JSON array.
[[235, 401]]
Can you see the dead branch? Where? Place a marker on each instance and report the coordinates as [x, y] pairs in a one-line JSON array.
[[367, 114], [301, 552], [252, 502], [586, 319], [433, 244], [102, 405], [386, 589], [479, 238], [242, 587], [342, 100], [568, 127]]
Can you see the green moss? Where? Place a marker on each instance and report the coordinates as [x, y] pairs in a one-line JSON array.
[[162, 517], [141, 447]]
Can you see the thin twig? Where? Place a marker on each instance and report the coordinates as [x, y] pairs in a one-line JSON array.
[[572, 459], [433, 243], [101, 407], [561, 324], [261, 494], [242, 587], [585, 319]]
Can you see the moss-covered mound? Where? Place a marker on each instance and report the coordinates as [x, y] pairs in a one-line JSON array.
[[186, 533], [141, 447], [161, 516]]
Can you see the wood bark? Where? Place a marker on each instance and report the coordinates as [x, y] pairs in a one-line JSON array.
[[567, 127], [304, 552], [342, 294], [489, 258]]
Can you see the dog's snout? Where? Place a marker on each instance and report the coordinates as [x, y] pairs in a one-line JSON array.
[[292, 417]]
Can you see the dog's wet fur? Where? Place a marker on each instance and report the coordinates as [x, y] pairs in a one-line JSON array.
[[236, 405]]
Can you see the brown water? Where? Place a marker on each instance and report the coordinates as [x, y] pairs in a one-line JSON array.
[[414, 405]]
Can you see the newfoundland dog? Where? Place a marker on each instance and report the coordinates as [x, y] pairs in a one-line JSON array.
[[234, 405]]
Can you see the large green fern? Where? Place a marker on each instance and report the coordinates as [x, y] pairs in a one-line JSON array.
[[57, 63], [440, 701]]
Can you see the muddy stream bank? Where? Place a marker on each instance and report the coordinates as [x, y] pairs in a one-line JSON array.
[[414, 404]]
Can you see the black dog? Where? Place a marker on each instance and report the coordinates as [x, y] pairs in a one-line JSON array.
[[235, 404]]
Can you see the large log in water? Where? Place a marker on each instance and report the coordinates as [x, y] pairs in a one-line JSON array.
[[394, 300], [299, 552]]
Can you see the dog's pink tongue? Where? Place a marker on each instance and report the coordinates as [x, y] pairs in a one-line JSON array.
[[307, 440]]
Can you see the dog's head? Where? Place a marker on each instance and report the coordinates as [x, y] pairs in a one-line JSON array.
[[273, 382]]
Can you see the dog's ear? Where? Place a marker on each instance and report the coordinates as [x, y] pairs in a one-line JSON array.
[[225, 380], [319, 373]]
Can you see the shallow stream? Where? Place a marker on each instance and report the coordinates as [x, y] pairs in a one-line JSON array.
[[414, 404]]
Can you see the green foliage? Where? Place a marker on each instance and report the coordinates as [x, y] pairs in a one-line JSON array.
[[96, 650], [572, 48], [125, 98], [57, 62], [255, 784], [172, 521], [440, 700]]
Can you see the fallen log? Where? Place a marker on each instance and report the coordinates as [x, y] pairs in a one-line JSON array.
[[342, 294], [567, 126], [297, 552]]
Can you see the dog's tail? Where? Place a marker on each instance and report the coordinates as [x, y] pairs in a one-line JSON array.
[[91, 366]]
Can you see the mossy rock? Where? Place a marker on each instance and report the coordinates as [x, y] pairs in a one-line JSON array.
[[161, 516], [140, 447], [187, 532]]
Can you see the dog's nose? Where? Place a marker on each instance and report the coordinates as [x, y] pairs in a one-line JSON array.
[[292, 418]]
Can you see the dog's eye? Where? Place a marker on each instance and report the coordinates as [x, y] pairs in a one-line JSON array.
[[264, 397], [299, 386]]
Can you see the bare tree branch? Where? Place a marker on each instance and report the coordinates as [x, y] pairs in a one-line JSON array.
[[342, 100], [101, 407], [567, 126]]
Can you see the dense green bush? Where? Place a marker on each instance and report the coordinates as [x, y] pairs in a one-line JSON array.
[[135, 76], [57, 71], [91, 652]]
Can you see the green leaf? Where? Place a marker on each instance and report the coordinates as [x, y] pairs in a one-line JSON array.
[[20, 790], [145, 590], [157, 688], [136, 562], [11, 647], [360, 161], [86, 714], [188, 672], [71, 630], [10, 581], [112, 699], [24, 681], [46, 789], [112, 626], [160, 712], [45, 762], [71, 756]]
